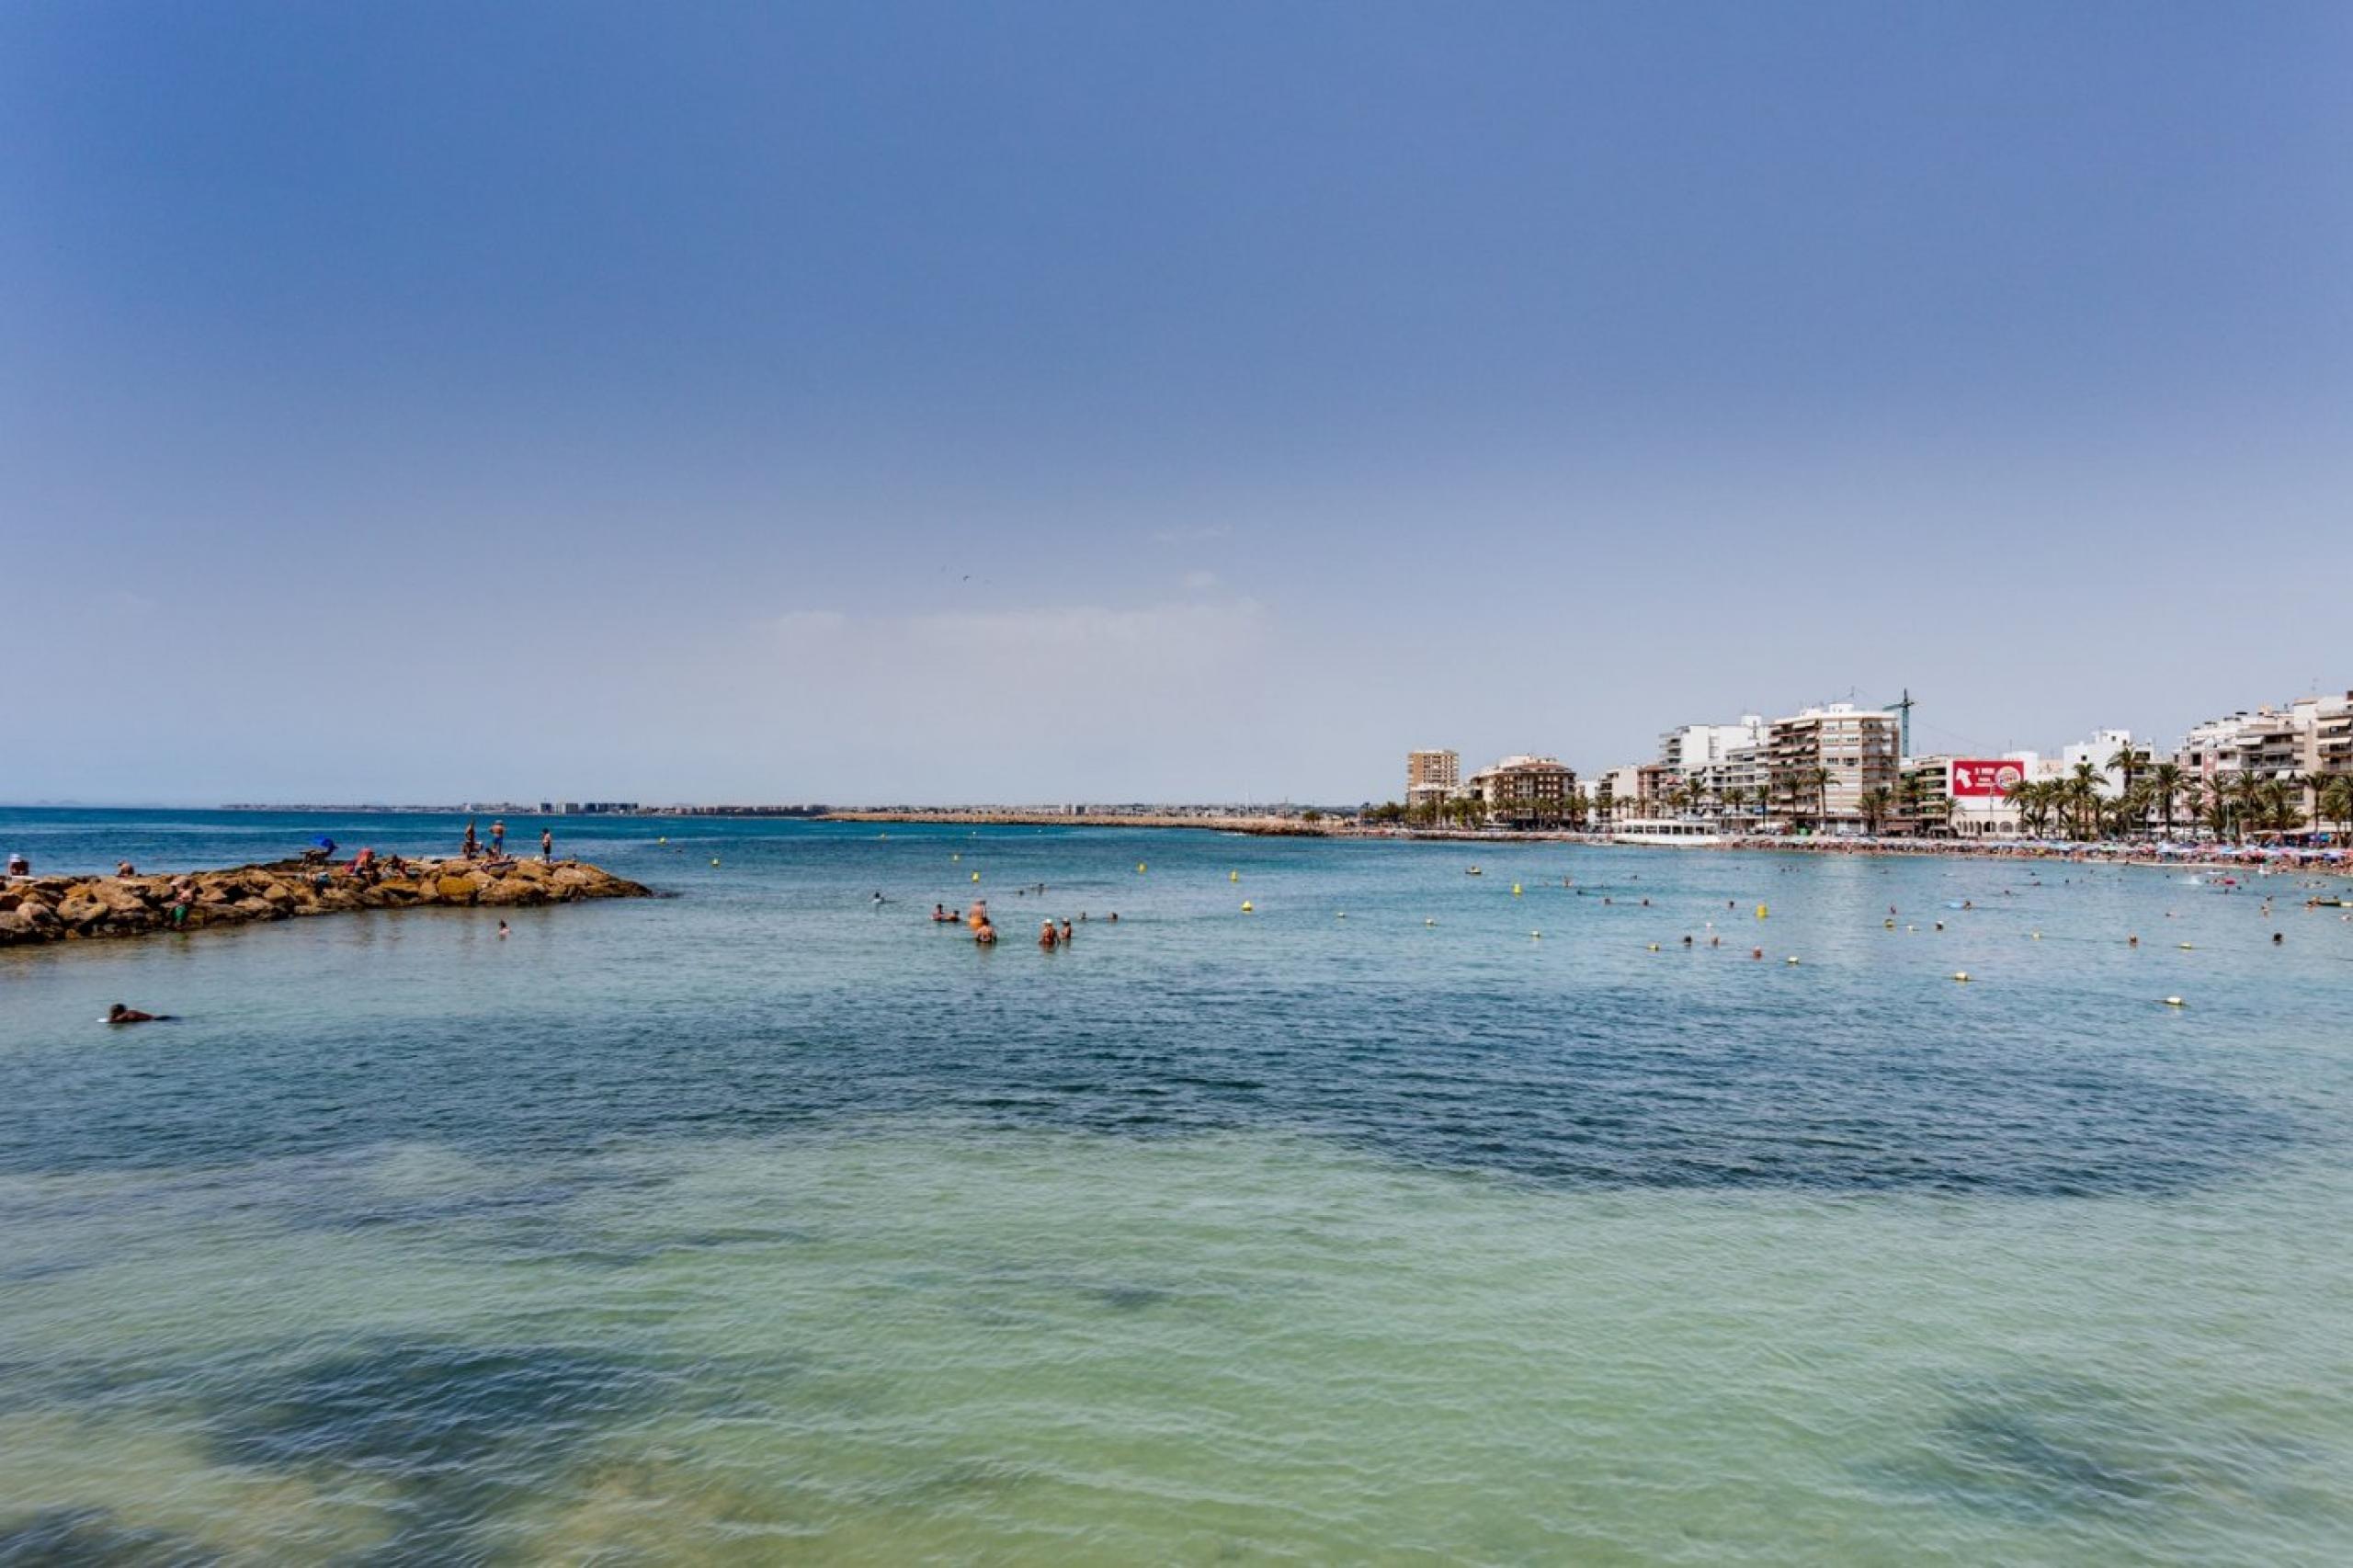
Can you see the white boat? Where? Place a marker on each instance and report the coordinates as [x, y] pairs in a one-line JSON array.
[[1666, 830]]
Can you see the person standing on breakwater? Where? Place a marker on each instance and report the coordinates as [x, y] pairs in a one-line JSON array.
[[498, 839], [470, 846], [19, 866], [547, 846]]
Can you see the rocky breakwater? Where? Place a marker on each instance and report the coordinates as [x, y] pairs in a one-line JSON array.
[[54, 909]]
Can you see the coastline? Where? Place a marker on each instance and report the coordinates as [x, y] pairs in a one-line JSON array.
[[2134, 852], [35, 910]]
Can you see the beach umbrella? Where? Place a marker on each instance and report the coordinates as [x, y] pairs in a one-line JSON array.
[[323, 841]]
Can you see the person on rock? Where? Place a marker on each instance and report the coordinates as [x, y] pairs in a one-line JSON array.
[[498, 839]]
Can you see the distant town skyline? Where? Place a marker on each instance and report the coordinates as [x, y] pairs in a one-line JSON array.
[[896, 403]]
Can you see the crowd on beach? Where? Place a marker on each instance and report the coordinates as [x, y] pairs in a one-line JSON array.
[[2110, 852]]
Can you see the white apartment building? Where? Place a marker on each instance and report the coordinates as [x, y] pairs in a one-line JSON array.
[[2104, 743], [1716, 757], [2311, 734]]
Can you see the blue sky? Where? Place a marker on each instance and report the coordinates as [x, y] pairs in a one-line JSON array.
[[727, 402]]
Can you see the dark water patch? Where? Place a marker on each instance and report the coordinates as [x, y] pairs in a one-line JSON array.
[[2054, 1449], [459, 1433], [92, 1538]]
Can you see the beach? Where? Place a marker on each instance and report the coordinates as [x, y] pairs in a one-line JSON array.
[[763, 1220]]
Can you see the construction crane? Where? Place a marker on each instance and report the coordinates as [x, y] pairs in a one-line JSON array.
[[1903, 741]]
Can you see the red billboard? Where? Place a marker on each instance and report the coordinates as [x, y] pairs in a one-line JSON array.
[[1982, 776]]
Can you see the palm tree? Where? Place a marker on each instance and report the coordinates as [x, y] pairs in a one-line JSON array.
[[2083, 794], [2247, 796], [2314, 784], [2335, 803], [2166, 781], [2126, 762], [1816, 781], [1873, 804]]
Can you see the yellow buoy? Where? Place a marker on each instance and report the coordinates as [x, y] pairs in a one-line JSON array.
[[2037, 936], [1537, 935], [661, 841], [1960, 974], [1245, 906], [1139, 867], [1793, 958], [1760, 912], [1889, 924], [1429, 922], [1342, 915], [1234, 876], [2185, 947], [958, 855], [2173, 1002], [1653, 947], [976, 875], [1515, 889], [714, 859]]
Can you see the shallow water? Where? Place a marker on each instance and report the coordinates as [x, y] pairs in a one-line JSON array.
[[760, 1221]]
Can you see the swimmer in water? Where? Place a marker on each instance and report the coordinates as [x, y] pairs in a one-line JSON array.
[[985, 934], [1046, 938], [120, 1014], [502, 930], [1066, 933]]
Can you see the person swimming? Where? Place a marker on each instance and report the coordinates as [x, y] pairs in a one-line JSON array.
[[985, 934], [122, 1014]]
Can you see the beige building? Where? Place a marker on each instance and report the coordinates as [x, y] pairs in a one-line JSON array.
[[1431, 776], [1854, 747], [1525, 790]]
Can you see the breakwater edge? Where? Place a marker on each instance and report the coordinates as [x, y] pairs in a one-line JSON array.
[[70, 908]]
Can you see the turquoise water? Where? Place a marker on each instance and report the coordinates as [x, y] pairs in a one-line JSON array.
[[761, 1222]]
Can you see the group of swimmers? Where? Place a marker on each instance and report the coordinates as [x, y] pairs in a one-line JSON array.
[[976, 920]]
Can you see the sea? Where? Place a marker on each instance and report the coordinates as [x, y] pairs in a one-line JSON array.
[[1333, 1204]]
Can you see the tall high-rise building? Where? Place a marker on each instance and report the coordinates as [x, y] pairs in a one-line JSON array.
[[1853, 747], [1431, 775]]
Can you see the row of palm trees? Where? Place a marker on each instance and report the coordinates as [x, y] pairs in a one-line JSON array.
[[2231, 806], [2160, 794]]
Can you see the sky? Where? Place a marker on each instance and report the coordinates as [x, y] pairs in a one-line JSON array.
[[880, 402]]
